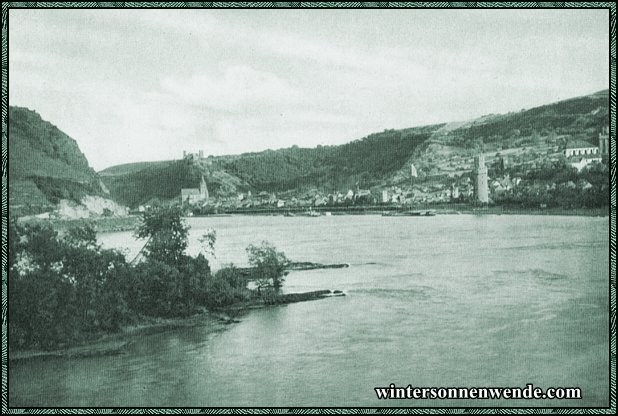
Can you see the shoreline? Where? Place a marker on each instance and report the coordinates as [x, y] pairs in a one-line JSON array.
[[100, 225], [116, 343], [131, 222], [446, 210], [574, 212]]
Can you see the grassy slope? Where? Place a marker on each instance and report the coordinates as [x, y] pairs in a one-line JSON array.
[[44, 164], [570, 116], [37, 148]]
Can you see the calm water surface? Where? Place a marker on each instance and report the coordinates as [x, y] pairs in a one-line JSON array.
[[454, 300]]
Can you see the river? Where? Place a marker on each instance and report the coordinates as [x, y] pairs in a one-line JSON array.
[[450, 300]]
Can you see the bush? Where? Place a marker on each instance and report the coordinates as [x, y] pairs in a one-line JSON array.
[[269, 263], [194, 274], [155, 290], [60, 289], [227, 286], [166, 233], [42, 310]]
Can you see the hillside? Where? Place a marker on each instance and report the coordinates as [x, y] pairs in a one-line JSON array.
[[45, 165], [361, 161], [135, 184], [540, 129], [378, 160], [572, 116]]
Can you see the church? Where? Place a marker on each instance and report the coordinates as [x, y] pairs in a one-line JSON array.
[[194, 195]]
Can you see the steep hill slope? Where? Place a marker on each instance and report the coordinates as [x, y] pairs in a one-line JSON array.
[[572, 116], [138, 183], [541, 129], [45, 165]]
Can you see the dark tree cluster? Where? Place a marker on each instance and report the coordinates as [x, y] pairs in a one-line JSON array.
[[64, 288]]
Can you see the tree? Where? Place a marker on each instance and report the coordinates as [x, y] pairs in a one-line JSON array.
[[226, 286], [62, 288], [269, 263], [167, 235], [84, 236], [208, 240], [535, 137]]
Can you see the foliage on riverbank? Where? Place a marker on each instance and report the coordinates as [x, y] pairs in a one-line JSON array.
[[558, 185], [64, 288], [100, 224]]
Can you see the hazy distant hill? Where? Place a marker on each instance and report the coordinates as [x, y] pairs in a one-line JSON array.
[[378, 159], [45, 165]]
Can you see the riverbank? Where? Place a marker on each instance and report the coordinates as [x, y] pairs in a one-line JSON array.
[[100, 225], [580, 212], [116, 343], [131, 222], [442, 209], [209, 322]]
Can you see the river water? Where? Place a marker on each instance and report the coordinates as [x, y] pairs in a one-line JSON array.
[[450, 300]]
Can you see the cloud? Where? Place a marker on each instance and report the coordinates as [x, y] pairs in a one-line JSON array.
[[145, 84], [237, 89]]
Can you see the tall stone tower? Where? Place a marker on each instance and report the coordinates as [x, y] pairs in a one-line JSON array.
[[604, 141], [203, 189], [481, 195]]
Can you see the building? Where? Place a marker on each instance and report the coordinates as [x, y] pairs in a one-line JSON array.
[[193, 156], [581, 153], [580, 148], [320, 201], [604, 142], [398, 199], [194, 195], [363, 196], [481, 193], [581, 162], [454, 192], [384, 196]]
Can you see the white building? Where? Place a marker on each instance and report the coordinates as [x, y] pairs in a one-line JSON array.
[[581, 162], [384, 196], [580, 148]]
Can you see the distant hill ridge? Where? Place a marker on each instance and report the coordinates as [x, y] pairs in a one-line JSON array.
[[47, 165], [380, 158]]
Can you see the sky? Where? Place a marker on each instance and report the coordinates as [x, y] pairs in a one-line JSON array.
[[145, 84]]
